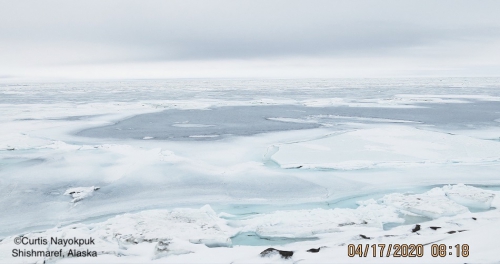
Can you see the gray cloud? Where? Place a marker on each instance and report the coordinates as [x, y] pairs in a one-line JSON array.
[[127, 31]]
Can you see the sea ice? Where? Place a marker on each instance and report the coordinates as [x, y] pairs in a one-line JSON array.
[[198, 226], [385, 146], [189, 235], [469, 196], [18, 141], [309, 223], [153, 233], [173, 246], [433, 204], [41, 155], [80, 193]]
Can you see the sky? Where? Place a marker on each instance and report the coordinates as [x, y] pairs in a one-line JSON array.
[[248, 39]]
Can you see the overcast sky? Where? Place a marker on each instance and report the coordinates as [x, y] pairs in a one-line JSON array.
[[276, 39]]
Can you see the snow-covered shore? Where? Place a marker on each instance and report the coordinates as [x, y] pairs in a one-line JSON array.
[[202, 235]]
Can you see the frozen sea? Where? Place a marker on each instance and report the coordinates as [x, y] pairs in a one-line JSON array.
[[290, 164]]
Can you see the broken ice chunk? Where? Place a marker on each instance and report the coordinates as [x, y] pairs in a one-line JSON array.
[[433, 204], [469, 196], [194, 226], [309, 223], [168, 247], [80, 193]]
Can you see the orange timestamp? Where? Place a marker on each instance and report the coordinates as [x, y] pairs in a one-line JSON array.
[[406, 250]]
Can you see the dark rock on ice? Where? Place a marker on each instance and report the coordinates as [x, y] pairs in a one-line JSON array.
[[314, 250], [272, 251]]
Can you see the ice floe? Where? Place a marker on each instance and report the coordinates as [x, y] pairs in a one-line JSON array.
[[385, 146], [154, 234], [310, 223], [197, 226], [80, 193], [469, 196], [433, 204]]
